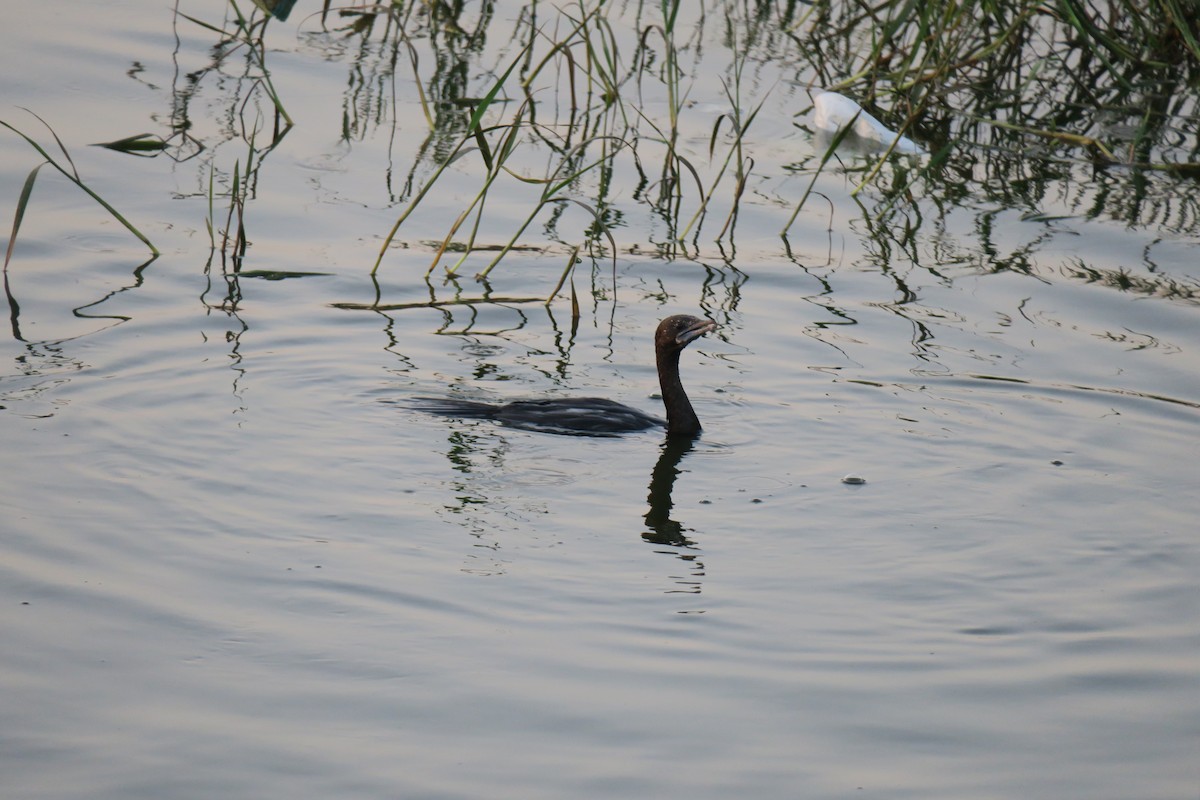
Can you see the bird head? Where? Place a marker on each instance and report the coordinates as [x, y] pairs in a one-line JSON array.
[[677, 332]]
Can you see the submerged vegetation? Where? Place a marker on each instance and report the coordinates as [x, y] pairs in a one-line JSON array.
[[587, 113]]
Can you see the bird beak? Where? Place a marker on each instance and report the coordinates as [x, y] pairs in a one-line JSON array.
[[693, 333]]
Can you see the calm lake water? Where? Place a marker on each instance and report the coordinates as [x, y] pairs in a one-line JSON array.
[[233, 564]]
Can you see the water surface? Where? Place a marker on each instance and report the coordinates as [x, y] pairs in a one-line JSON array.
[[233, 564]]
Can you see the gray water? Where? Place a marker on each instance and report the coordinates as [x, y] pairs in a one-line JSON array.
[[233, 564]]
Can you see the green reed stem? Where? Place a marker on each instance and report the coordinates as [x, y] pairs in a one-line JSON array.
[[73, 176]]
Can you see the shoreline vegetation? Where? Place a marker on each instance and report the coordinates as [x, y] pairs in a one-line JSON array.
[[588, 114]]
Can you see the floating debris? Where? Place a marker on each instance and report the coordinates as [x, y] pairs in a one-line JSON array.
[[832, 112], [854, 480]]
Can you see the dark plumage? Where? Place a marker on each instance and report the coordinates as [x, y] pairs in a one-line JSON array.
[[596, 416]]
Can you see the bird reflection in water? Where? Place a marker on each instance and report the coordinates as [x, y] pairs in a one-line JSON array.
[[663, 530]]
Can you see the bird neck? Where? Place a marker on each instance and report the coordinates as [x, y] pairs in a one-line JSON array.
[[681, 419]]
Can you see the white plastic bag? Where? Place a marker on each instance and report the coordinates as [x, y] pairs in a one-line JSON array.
[[832, 112]]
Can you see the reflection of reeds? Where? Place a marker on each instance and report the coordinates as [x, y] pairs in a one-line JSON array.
[[242, 33], [247, 33]]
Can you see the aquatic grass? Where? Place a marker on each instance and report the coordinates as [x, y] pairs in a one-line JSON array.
[[1006, 89], [237, 212], [233, 236], [597, 131], [496, 158], [72, 174], [492, 161], [245, 119], [669, 183], [210, 221], [571, 166], [601, 92], [736, 155], [829, 153], [969, 60]]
